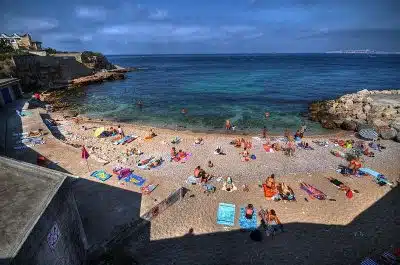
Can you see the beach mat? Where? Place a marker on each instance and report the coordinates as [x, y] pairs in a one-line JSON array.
[[226, 214], [379, 178], [247, 224], [192, 180], [135, 179], [100, 175]]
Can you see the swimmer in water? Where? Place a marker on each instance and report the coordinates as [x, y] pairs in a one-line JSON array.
[[183, 111]]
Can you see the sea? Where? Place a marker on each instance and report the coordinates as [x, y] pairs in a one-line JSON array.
[[239, 87]]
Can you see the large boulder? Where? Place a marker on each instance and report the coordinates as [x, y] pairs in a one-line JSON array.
[[398, 137], [389, 112], [387, 133], [396, 125], [328, 124], [349, 125], [367, 108], [378, 123]]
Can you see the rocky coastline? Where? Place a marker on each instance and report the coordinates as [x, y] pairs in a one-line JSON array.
[[376, 109]]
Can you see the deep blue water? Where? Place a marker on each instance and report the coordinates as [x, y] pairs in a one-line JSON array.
[[241, 88]]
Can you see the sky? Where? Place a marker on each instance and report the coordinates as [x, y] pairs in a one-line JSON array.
[[206, 26]]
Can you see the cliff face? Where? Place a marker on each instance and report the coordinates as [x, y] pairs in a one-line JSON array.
[[37, 72], [377, 109]]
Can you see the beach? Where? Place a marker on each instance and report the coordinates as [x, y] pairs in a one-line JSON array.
[[198, 210]]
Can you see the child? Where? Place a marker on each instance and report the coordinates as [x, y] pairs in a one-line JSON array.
[[249, 210], [210, 164]]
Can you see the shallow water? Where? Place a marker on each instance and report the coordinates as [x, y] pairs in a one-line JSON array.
[[241, 88]]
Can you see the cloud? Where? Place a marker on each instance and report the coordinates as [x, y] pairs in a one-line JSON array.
[[31, 24], [158, 14], [91, 12], [179, 33]]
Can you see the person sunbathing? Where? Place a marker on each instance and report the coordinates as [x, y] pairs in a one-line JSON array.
[[198, 140], [368, 153], [249, 211], [245, 153], [145, 162], [342, 186], [181, 154], [354, 165], [270, 189], [151, 134], [276, 146], [219, 151], [197, 171], [155, 163], [173, 153]]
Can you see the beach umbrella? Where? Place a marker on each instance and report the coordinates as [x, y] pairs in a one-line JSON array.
[[99, 131], [368, 133]]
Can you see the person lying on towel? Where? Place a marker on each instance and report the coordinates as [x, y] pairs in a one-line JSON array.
[[270, 189], [355, 165], [249, 210]]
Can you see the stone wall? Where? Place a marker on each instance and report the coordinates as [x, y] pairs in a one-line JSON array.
[[45, 71], [61, 218], [377, 109]]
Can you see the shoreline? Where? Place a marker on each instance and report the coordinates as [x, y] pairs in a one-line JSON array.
[[195, 133]]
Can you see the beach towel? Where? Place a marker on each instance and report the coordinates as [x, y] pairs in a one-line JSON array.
[[226, 214], [176, 140], [312, 191], [286, 192], [368, 261], [101, 175], [225, 187], [192, 180], [247, 224], [129, 139], [146, 190], [122, 173], [135, 179], [268, 148], [379, 178], [338, 153]]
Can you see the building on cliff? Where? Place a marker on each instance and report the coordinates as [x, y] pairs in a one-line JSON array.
[[21, 41]]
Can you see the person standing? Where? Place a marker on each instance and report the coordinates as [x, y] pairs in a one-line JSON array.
[[120, 131]]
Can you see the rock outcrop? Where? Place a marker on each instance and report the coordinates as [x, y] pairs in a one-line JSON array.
[[96, 61], [97, 78], [377, 109]]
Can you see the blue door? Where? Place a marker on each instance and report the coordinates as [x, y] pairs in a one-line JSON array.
[[6, 95]]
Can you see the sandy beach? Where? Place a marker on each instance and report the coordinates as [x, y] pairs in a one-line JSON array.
[[198, 210]]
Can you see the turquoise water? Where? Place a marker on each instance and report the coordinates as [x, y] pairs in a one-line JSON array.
[[241, 88]]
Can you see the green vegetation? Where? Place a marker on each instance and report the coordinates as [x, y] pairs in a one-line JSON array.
[[50, 50], [86, 56], [5, 47]]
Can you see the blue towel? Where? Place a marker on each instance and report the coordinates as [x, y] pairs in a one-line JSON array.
[[135, 179], [101, 175], [226, 214], [248, 224], [379, 178]]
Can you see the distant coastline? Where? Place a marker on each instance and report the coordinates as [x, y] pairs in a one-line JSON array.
[[367, 51]]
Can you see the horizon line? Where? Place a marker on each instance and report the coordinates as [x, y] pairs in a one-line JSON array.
[[250, 53]]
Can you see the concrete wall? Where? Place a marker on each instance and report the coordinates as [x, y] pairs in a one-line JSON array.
[[71, 246], [11, 91], [43, 71]]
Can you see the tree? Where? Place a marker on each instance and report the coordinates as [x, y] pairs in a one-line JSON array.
[[50, 50], [5, 47]]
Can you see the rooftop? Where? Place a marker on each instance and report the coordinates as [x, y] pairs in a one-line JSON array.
[[25, 192], [6, 81]]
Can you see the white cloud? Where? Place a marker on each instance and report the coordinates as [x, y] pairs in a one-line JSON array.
[[31, 24], [254, 36], [171, 32], [91, 12], [158, 14]]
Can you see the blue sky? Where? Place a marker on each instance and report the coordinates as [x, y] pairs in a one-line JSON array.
[[206, 26]]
